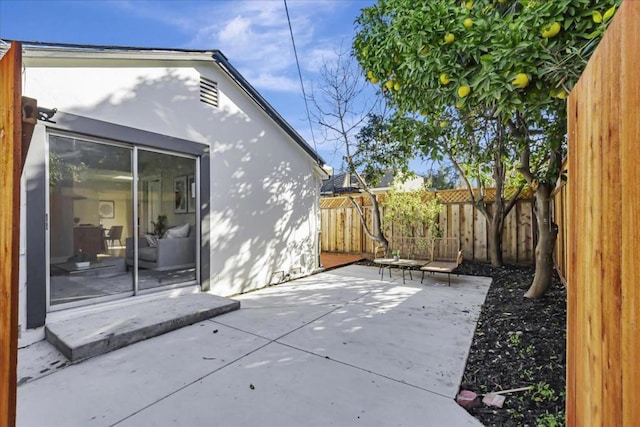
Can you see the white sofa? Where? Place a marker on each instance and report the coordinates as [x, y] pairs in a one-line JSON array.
[[168, 254]]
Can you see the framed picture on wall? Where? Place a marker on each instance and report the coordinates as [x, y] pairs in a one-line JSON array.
[[106, 208], [181, 194], [191, 188]]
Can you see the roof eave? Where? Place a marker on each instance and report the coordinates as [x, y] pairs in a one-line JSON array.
[[49, 49], [235, 75]]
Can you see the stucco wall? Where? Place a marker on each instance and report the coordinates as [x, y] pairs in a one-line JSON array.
[[264, 193]]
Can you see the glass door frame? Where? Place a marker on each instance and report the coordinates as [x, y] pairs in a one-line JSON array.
[[134, 199], [136, 237]]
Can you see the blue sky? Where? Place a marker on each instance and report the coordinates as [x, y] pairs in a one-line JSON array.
[[253, 34]]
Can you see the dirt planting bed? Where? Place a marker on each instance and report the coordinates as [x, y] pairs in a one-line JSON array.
[[518, 343]]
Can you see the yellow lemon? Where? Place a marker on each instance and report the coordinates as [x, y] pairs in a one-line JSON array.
[[463, 91], [443, 124], [609, 13], [449, 38], [369, 75], [597, 16], [396, 86], [444, 79], [551, 31], [373, 80], [468, 4], [468, 23], [389, 84], [561, 95], [521, 80]]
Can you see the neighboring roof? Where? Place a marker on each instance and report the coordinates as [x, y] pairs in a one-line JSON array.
[[165, 53], [340, 183], [386, 180], [344, 183]]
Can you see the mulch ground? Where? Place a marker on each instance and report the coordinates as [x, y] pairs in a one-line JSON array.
[[518, 342]]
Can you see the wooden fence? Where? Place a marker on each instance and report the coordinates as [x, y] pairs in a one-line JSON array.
[[603, 272], [342, 230], [560, 212]]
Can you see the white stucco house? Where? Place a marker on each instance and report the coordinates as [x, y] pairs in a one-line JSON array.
[[133, 142]]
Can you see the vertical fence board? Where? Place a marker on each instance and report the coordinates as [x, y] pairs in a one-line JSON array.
[[348, 231], [603, 228], [333, 230], [611, 241], [510, 237], [442, 222], [357, 233], [525, 231], [479, 236], [574, 312], [630, 216], [455, 221], [340, 230], [467, 227], [10, 168], [324, 231]]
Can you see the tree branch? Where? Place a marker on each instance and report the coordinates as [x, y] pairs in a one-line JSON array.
[[512, 200]]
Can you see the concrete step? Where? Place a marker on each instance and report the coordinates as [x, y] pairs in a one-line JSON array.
[[97, 333]]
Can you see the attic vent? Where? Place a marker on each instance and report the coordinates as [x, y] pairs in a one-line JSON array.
[[208, 91]]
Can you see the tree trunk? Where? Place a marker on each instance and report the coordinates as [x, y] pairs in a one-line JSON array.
[[376, 233], [496, 226], [547, 234], [377, 225]]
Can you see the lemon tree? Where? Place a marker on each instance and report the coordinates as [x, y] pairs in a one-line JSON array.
[[476, 147], [510, 61], [506, 54]]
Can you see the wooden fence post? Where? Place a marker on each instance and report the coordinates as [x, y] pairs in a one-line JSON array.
[[11, 160]]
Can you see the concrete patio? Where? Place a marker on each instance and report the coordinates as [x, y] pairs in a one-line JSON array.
[[336, 348]]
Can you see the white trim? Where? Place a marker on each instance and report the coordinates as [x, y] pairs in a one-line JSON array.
[[44, 55], [47, 232]]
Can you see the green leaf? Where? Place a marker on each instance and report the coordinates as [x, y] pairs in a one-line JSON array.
[[593, 35], [597, 17]]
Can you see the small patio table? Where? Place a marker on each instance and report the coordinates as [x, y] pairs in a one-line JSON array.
[[402, 264]]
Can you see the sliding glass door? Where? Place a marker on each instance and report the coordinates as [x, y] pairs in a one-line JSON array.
[[93, 256], [90, 219], [167, 247]]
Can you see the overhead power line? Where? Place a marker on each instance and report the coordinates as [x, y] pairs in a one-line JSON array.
[[295, 52]]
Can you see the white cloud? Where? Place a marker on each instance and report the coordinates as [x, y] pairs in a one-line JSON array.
[[236, 30], [316, 58], [277, 83], [254, 34]]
